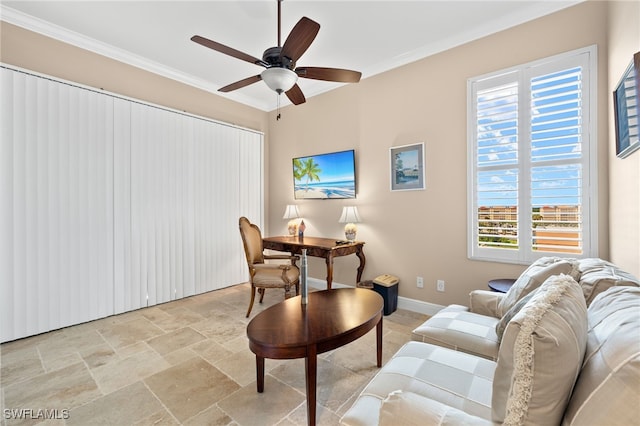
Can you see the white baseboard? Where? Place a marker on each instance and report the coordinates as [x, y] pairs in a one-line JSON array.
[[413, 305], [419, 306]]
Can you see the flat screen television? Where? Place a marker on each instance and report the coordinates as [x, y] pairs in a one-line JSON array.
[[325, 176]]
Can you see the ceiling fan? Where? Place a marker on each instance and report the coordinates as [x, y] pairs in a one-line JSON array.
[[281, 73]]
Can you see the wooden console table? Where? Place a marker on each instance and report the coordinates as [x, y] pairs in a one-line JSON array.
[[327, 248]]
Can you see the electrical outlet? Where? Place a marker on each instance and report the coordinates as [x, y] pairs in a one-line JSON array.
[[420, 282], [440, 285]]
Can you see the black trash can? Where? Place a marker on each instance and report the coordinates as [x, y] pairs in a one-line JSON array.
[[387, 287]]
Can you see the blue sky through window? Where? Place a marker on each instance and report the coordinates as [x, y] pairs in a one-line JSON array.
[[554, 135]]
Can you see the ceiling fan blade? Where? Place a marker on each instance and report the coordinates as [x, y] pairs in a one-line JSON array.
[[240, 84], [329, 74], [227, 50], [295, 95], [300, 38]]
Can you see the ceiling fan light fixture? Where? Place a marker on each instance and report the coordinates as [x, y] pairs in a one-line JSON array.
[[279, 79]]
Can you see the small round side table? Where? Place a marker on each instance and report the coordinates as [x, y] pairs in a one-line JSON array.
[[501, 285]]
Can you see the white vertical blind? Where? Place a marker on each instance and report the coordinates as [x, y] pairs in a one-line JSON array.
[[57, 205], [108, 205], [251, 190], [214, 192], [127, 296], [156, 136], [251, 178]]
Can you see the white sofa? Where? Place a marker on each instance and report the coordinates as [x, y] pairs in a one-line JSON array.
[[474, 329], [569, 354]]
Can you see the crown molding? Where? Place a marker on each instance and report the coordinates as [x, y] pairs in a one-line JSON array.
[[53, 31], [37, 25]]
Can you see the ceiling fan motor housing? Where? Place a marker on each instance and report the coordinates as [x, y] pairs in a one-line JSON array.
[[272, 57]]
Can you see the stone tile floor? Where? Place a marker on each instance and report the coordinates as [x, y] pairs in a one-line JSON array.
[[184, 362]]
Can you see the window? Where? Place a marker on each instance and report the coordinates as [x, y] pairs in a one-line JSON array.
[[532, 178]]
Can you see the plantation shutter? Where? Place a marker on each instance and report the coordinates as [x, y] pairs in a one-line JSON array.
[[532, 179], [497, 166], [556, 155]]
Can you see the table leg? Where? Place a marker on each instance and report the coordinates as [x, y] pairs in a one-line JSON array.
[[311, 367], [260, 373], [329, 261], [379, 342], [360, 254]]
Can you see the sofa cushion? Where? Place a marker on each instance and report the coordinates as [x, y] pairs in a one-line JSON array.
[[607, 389], [502, 323], [410, 409], [534, 276], [485, 302], [597, 275], [456, 328], [540, 355], [459, 380]]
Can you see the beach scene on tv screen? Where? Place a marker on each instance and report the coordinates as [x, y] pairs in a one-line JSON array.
[[325, 176]]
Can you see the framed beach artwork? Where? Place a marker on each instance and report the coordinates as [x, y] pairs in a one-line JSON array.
[[407, 167]]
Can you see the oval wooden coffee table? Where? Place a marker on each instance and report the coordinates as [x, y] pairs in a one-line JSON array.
[[331, 319]]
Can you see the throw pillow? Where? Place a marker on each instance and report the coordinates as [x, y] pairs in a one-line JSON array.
[[541, 355], [534, 276], [502, 324]]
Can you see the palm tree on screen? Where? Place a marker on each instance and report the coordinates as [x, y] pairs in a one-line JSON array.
[[297, 169], [311, 170]]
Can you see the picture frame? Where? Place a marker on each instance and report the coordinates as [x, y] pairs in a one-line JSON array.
[[407, 167], [626, 109]]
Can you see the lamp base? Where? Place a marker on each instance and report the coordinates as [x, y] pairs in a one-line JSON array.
[[350, 230], [292, 226]]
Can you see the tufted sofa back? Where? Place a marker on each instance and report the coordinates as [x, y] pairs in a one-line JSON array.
[[606, 391], [597, 275]]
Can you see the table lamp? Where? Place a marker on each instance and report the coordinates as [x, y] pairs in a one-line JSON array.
[[350, 217], [292, 213]]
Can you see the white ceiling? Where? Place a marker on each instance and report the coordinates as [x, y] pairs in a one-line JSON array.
[[366, 36]]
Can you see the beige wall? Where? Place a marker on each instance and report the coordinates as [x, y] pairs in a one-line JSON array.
[[406, 233], [624, 174], [422, 233]]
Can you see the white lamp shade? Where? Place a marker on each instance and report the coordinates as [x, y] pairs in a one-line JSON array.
[[291, 212], [279, 79], [350, 215]]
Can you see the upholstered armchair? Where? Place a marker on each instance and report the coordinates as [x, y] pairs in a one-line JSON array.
[[266, 275]]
